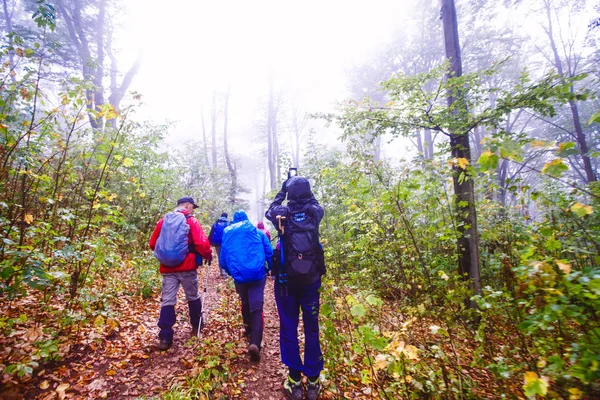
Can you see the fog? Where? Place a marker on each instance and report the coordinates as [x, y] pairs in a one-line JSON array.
[[192, 49]]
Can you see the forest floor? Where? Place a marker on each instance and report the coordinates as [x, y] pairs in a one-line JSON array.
[[117, 358]]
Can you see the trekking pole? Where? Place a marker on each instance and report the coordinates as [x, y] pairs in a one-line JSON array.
[[281, 226], [282, 272], [203, 299]]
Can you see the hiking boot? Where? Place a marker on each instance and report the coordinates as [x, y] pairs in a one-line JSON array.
[[164, 344], [292, 389], [254, 352], [313, 389]]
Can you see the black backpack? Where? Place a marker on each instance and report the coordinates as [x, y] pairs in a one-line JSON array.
[[304, 257]]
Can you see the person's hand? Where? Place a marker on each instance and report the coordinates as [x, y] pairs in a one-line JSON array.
[[208, 260]]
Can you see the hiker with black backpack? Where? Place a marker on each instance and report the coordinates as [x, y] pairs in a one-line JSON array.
[[180, 244], [300, 265], [216, 237], [243, 255]]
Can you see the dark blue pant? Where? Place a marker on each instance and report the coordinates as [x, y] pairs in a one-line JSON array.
[[288, 305], [252, 296]]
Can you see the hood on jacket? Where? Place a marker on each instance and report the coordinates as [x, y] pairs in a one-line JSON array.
[[260, 225], [298, 189], [240, 216], [222, 219]]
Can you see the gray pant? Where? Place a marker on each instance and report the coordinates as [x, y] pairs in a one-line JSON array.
[[170, 287]]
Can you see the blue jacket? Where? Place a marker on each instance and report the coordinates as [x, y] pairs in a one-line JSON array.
[[245, 250]]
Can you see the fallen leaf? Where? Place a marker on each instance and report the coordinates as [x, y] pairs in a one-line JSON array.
[[60, 390], [32, 334], [44, 385]]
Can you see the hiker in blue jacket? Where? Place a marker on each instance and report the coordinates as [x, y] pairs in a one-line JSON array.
[[298, 282], [244, 251], [215, 237]]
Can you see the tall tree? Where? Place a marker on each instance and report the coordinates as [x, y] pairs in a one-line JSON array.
[[567, 64], [204, 140], [231, 167], [298, 123], [464, 187], [90, 31], [272, 135], [213, 128]]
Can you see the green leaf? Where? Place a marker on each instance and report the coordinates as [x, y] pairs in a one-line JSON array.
[[581, 210], [555, 168], [374, 301], [488, 161], [567, 149], [594, 118], [553, 244], [358, 311], [535, 385]]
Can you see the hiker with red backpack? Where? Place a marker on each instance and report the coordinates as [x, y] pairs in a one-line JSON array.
[[216, 237], [298, 266], [179, 243], [243, 256]]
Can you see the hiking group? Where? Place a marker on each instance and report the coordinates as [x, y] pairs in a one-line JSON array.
[[245, 253]]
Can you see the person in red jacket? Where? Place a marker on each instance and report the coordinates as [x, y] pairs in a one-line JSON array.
[[184, 274]]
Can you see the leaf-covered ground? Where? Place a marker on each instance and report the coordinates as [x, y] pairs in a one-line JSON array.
[[117, 358]]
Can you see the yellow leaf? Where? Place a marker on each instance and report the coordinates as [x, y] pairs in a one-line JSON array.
[[380, 362], [408, 378], [575, 394], [410, 352], [396, 348], [60, 390], [112, 323], [28, 218], [111, 372], [44, 385], [538, 143], [99, 321], [462, 163], [581, 209], [564, 267], [535, 385]]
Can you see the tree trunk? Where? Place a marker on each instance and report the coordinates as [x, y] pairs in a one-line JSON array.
[[204, 137], [420, 149], [298, 126], [271, 146], [230, 165], [464, 188], [213, 118], [428, 145]]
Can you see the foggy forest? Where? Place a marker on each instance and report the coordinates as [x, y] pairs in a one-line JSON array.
[[454, 146]]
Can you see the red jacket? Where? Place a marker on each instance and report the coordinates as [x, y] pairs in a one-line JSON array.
[[196, 236]]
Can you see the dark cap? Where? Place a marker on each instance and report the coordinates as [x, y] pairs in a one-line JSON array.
[[187, 200], [224, 215]]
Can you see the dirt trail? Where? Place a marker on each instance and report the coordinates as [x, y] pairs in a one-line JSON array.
[[123, 362], [265, 378]]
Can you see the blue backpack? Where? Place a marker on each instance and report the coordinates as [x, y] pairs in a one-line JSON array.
[[172, 244], [219, 227]]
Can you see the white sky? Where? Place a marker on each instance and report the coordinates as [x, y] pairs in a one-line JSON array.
[[191, 47]]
